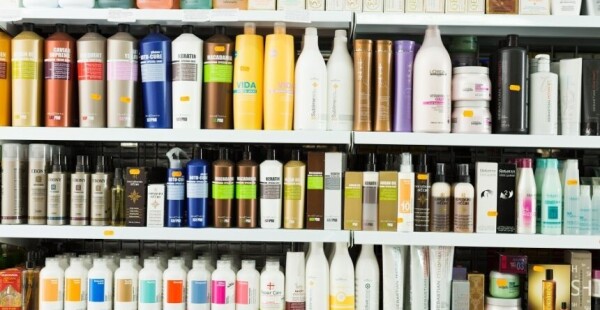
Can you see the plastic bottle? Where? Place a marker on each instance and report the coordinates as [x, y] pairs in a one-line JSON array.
[[155, 63], [58, 193], [585, 211], [14, 183], [91, 73], [5, 79], [76, 285], [187, 79], [246, 172], [367, 279], [247, 293], [403, 72], [317, 278], [100, 213], [543, 116], [199, 285], [363, 68], [218, 81], [59, 68], [223, 190], [126, 285], [310, 107], [551, 199], [198, 176], [278, 105], [27, 52], [157, 4], [295, 277], [341, 279], [370, 195], [117, 196], [107, 4], [80, 193], [340, 85], [100, 285], [40, 3], [223, 287], [122, 78], [248, 79], [540, 171], [174, 282], [571, 198], [78, 4], [196, 4], [271, 191], [294, 182], [176, 188], [150, 285], [464, 200], [52, 278], [432, 85], [272, 287], [441, 191], [39, 165], [596, 211], [526, 198]]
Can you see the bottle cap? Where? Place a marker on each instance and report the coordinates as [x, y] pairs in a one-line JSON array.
[[271, 154], [549, 274], [463, 173], [341, 33], [363, 45], [311, 31], [471, 70], [187, 29], [540, 163], [38, 151], [471, 104], [465, 44], [296, 154], [61, 28], [155, 28], [422, 167], [247, 153], [118, 177], [123, 28], [175, 155], [223, 153], [440, 172], [404, 46], [100, 164], [406, 162], [512, 40], [383, 45], [596, 274], [526, 163], [81, 161], [552, 163], [279, 28], [372, 162], [249, 28], [543, 62], [92, 28], [28, 26], [389, 162]]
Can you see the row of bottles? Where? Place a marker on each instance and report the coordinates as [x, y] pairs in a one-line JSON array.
[[124, 4]]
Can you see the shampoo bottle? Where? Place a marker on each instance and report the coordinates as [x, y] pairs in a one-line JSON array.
[[543, 99], [100, 286], [294, 181], [122, 78], [271, 191], [363, 57], [341, 279], [440, 201], [571, 198], [198, 285], [551, 200], [52, 285], [247, 287], [370, 192], [246, 191], [197, 193], [218, 81], [223, 287], [310, 106], [278, 105], [510, 112], [57, 199], [80, 193], [174, 282], [157, 4], [14, 183], [59, 68], [91, 76], [422, 193], [155, 64], [195, 4], [526, 198], [464, 199], [75, 284], [317, 278], [126, 285], [248, 79], [100, 194], [367, 279], [585, 211], [108, 4], [27, 52], [432, 81], [5, 79], [404, 56], [150, 286], [175, 188], [272, 287], [187, 79], [596, 211], [39, 166], [383, 93], [540, 170], [340, 85], [117, 197], [223, 190], [406, 194], [295, 287]]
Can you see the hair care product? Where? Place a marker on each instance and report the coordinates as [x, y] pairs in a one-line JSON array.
[[117, 196], [91, 76], [57, 192], [27, 52], [363, 56], [504, 285], [14, 183], [100, 205], [218, 81], [176, 188], [335, 166], [406, 194], [544, 99], [126, 285], [157, 4], [590, 122], [422, 195], [394, 261], [353, 202], [404, 56], [100, 285], [107, 4], [59, 66], [367, 279], [419, 277], [551, 200], [585, 211], [341, 279], [150, 285], [76, 277], [198, 285], [370, 190], [80, 4], [248, 79], [187, 79], [195, 4], [247, 286], [540, 171], [511, 110], [80, 192], [340, 83], [294, 180], [271, 191], [383, 95], [223, 287], [571, 194], [52, 285], [440, 268], [278, 106], [471, 83], [526, 198], [122, 78], [463, 51], [570, 96], [246, 179], [5, 79], [39, 165], [272, 283], [471, 117], [388, 197], [223, 190], [197, 184], [295, 286], [315, 202], [463, 193], [317, 278], [174, 282], [440, 201]]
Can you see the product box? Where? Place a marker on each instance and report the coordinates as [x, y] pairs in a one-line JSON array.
[[534, 7], [507, 182], [11, 289], [502, 7], [315, 5], [393, 6], [486, 190], [298, 5], [590, 122], [460, 294], [388, 201], [476, 291], [456, 6], [230, 4], [353, 5], [155, 215], [353, 200], [315, 200], [334, 5], [268, 5], [459, 273], [475, 6], [434, 6], [335, 166], [581, 279], [507, 263], [136, 180], [559, 278], [373, 5], [414, 6]]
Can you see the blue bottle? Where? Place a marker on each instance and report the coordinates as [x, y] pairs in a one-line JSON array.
[[175, 188], [198, 171], [155, 60]]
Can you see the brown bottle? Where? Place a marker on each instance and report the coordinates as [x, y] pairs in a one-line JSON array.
[[218, 81], [223, 189], [363, 55], [59, 68], [383, 79], [246, 191]]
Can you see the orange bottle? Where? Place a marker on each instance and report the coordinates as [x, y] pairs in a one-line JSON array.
[[5, 96], [158, 4], [59, 68]]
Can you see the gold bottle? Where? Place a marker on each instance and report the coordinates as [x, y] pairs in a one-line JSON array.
[[27, 63], [294, 183], [5, 79], [549, 291], [363, 56]]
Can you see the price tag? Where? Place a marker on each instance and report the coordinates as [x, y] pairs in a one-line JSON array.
[[109, 233], [195, 16], [297, 16], [121, 16], [223, 15], [10, 15]]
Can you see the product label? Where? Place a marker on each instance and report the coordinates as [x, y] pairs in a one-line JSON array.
[[314, 181], [223, 188], [551, 211], [218, 68], [124, 290], [174, 293], [405, 193], [185, 70], [242, 294], [463, 214], [353, 191], [271, 296], [148, 293], [153, 69], [245, 87], [37, 189], [57, 193], [197, 186], [100, 199], [73, 290], [333, 181], [14, 199], [527, 209], [96, 290], [341, 301], [245, 188], [50, 290], [284, 88], [122, 70], [199, 291], [25, 70], [271, 188], [176, 185], [367, 286], [422, 209], [292, 191], [219, 293], [90, 70], [58, 64], [388, 191], [79, 196], [440, 213], [3, 70]]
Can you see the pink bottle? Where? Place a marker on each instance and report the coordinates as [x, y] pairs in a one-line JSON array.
[[158, 4]]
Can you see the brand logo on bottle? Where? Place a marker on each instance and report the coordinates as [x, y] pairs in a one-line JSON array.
[[245, 87], [506, 194], [437, 72]]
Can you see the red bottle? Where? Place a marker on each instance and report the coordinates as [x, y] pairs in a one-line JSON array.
[[59, 69]]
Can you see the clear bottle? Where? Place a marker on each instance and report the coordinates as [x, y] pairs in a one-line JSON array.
[[126, 285], [223, 287], [150, 285], [585, 211], [367, 279], [543, 114], [570, 188], [464, 197], [551, 207], [117, 206], [596, 211], [317, 278], [526, 197], [174, 282], [272, 287], [441, 193], [540, 171], [199, 285], [75, 284], [52, 278], [271, 191], [100, 285], [247, 285], [341, 279], [340, 85], [422, 213]]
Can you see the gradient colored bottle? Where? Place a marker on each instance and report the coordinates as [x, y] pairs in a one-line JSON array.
[[59, 68], [404, 55], [122, 78], [218, 81], [155, 62], [27, 65], [91, 73], [157, 4], [278, 108], [5, 79]]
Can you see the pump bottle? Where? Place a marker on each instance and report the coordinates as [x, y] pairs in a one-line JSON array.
[[510, 110], [80, 193], [91, 72], [59, 66], [526, 198], [76, 277], [5, 79], [543, 118], [422, 195], [126, 285], [363, 57], [247, 287], [367, 279], [223, 190], [341, 279], [585, 211], [245, 191], [294, 180], [218, 81], [440, 201], [122, 78], [39, 165], [464, 200], [52, 285], [101, 190], [150, 285], [370, 195], [248, 79], [340, 85], [57, 192], [271, 191], [198, 172], [187, 79], [27, 52], [406, 194], [100, 286], [176, 188]]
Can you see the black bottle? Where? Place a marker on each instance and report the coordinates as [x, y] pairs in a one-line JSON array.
[[422, 190], [510, 111]]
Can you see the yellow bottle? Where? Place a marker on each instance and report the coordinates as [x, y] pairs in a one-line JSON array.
[[279, 80], [5, 79], [27, 64], [248, 79]]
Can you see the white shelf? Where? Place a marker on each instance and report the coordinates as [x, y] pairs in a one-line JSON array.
[[494, 140], [479, 24], [172, 234], [478, 240], [173, 135]]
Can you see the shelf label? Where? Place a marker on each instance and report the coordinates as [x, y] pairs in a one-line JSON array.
[[195, 16], [10, 15], [225, 15], [297, 16], [121, 16], [109, 233]]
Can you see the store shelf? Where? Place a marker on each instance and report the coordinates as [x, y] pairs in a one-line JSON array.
[[478, 240], [481, 24], [495, 140], [172, 234], [173, 135]]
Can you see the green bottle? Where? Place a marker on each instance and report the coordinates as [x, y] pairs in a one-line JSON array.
[[121, 4]]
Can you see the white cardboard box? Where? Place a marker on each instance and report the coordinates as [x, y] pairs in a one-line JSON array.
[[373, 6], [334, 5], [315, 5], [486, 192], [353, 5], [155, 214], [456, 6], [291, 5], [414, 6], [476, 6], [268, 5], [335, 166], [393, 6], [534, 7], [434, 6]]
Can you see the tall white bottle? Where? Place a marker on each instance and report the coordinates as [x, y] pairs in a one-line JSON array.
[[272, 287], [271, 191], [223, 287], [585, 211], [526, 198], [310, 103], [551, 200], [571, 198], [126, 285], [295, 286], [340, 83], [198, 286], [100, 286], [187, 79], [341, 279], [596, 211], [52, 285], [367, 279], [317, 278], [247, 287], [150, 285], [174, 282], [75, 284], [543, 93], [432, 85]]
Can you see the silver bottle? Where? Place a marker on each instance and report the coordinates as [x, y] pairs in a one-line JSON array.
[[101, 189], [122, 78], [14, 184], [80, 193], [39, 166], [57, 212], [91, 71]]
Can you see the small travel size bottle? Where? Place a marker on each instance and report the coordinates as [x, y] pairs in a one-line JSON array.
[[463, 193], [118, 199], [548, 291]]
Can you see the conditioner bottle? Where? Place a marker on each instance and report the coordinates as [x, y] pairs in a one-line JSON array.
[[340, 85], [464, 199], [246, 191], [271, 191], [218, 81], [543, 99], [59, 68], [510, 112], [363, 57], [294, 181], [187, 79], [248, 79], [223, 189], [122, 78], [91, 76], [5, 79], [317, 278], [27, 64], [279, 59]]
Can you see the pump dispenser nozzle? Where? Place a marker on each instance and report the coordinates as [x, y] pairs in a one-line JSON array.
[[279, 28], [81, 164], [59, 163], [92, 28], [220, 30], [372, 162], [247, 153], [271, 154], [440, 172], [155, 28], [118, 181], [463, 173], [28, 26], [61, 28], [422, 167], [187, 29], [296, 154], [223, 154], [389, 162], [175, 155], [100, 164], [406, 163], [249, 28]]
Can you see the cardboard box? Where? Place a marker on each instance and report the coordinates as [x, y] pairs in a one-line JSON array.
[[315, 5], [486, 190], [136, 180], [268, 5], [534, 7], [507, 183], [291, 5], [393, 6], [11, 289], [434, 6], [156, 205], [456, 6], [512, 263], [373, 5], [335, 166], [414, 6], [476, 291], [581, 279], [334, 5], [475, 6], [353, 200], [353, 5], [460, 294], [502, 7], [388, 201], [230, 4], [537, 274], [314, 190]]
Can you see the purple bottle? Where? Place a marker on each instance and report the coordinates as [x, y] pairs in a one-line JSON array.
[[404, 53]]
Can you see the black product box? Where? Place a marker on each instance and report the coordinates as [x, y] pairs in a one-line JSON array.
[[136, 182], [507, 182], [590, 118]]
